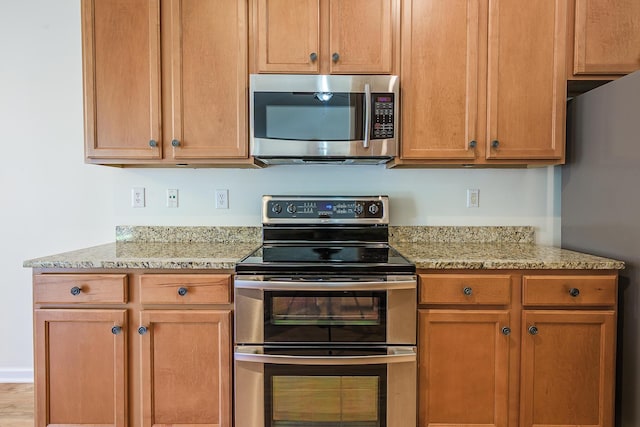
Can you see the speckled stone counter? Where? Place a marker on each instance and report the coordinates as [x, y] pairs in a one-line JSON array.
[[162, 248], [222, 247]]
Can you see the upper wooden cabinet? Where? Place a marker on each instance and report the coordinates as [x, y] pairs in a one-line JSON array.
[[163, 84], [604, 38], [324, 36], [483, 82]]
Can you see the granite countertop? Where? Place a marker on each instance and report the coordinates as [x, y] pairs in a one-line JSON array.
[[223, 247]]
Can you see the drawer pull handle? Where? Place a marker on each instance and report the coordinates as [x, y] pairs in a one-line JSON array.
[[142, 330], [182, 291], [116, 330], [76, 290], [467, 290], [533, 330], [574, 292], [506, 330]]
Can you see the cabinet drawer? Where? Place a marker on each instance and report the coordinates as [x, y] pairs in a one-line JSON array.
[[80, 288], [569, 290], [465, 289], [185, 289]]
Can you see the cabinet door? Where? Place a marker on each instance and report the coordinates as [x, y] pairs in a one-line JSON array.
[[287, 38], [440, 51], [361, 34], [606, 37], [567, 368], [526, 81], [186, 368], [80, 367], [463, 368], [207, 63], [121, 64]]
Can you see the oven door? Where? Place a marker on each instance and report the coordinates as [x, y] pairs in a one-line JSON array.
[[334, 310], [322, 387]]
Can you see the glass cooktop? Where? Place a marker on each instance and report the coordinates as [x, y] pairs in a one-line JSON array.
[[325, 258]]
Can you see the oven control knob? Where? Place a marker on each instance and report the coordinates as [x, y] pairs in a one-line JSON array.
[[291, 208], [373, 209], [358, 209], [276, 208]]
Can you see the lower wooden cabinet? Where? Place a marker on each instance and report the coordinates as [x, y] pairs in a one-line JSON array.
[[80, 367], [464, 367], [541, 354], [154, 354], [186, 367], [568, 368]]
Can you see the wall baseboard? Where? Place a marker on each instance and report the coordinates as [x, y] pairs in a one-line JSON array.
[[16, 375]]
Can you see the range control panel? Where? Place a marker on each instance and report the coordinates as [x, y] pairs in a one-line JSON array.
[[324, 208], [383, 106]]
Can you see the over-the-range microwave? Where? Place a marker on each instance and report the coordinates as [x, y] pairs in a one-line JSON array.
[[323, 118]]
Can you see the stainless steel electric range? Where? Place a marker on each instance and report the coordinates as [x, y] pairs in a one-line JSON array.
[[325, 318]]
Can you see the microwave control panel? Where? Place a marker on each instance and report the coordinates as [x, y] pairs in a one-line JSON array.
[[383, 106]]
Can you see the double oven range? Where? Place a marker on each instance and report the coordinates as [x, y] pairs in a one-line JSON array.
[[325, 319]]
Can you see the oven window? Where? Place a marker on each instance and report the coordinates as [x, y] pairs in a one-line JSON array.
[[357, 316], [323, 396], [309, 116]]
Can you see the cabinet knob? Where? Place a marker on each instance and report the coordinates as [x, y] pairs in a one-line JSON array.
[[75, 290], [153, 143], [574, 292], [142, 330], [506, 330], [533, 330], [467, 290], [116, 330], [313, 56], [182, 291], [335, 57], [495, 143], [473, 144], [175, 143]]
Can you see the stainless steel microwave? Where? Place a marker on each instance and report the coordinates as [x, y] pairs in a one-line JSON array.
[[323, 118]]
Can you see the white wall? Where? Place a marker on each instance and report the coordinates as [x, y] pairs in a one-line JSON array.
[[52, 202]]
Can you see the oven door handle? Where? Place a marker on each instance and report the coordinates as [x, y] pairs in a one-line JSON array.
[[396, 355], [298, 285]]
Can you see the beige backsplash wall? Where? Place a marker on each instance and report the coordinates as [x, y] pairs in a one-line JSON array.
[[52, 202]]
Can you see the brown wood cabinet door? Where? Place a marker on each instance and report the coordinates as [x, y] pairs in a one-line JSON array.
[[186, 368], [121, 64], [80, 367], [606, 37], [567, 368], [463, 368], [288, 36], [206, 62], [361, 34], [526, 81], [440, 72]]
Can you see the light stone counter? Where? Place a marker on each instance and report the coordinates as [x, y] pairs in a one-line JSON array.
[[222, 247]]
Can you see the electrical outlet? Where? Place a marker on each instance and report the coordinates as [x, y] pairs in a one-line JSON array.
[[137, 197], [222, 199], [473, 198], [172, 198]]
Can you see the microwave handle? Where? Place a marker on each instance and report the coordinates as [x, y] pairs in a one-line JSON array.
[[367, 114], [397, 355]]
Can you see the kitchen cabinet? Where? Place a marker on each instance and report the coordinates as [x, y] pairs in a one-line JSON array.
[[324, 36], [604, 38], [155, 353], [466, 349], [72, 385], [162, 85], [568, 351], [516, 348], [475, 90]]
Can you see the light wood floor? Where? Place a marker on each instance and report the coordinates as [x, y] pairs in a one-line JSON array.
[[16, 405]]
